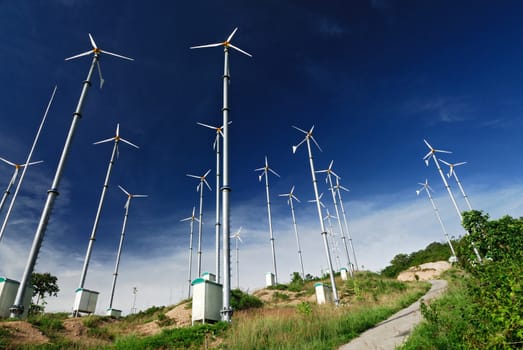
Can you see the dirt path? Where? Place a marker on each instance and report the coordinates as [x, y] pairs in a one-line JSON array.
[[393, 331]]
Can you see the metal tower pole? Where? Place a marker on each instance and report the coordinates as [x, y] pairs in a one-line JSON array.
[[323, 231], [18, 308], [226, 312], [190, 255], [346, 224], [92, 238], [339, 222], [270, 225], [462, 190], [117, 264], [8, 190], [297, 237], [436, 211], [200, 228], [218, 224]]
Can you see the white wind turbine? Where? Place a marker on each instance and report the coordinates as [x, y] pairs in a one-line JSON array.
[[328, 179], [451, 172], [307, 139], [339, 187], [122, 236], [18, 308], [265, 172], [28, 162], [192, 218], [114, 155], [216, 146], [226, 188], [432, 154], [291, 196], [199, 188], [427, 188], [238, 239]]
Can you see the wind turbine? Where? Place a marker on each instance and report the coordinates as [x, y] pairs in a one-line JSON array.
[[27, 162], [216, 146], [226, 189], [328, 179], [238, 240], [265, 172], [114, 155], [122, 236], [307, 139], [432, 154], [339, 187], [453, 172], [17, 309], [193, 219], [291, 196], [428, 189], [200, 221]]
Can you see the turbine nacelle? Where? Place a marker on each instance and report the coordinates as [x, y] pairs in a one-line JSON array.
[[451, 166], [225, 44], [431, 152], [130, 196], [203, 180], [308, 136]]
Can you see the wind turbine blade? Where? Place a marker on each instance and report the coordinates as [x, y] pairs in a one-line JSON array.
[[32, 163], [207, 45], [186, 219], [100, 75], [117, 55], [260, 169], [292, 189], [79, 55], [428, 145], [321, 171], [215, 142], [124, 191], [139, 195], [106, 140], [117, 129], [460, 163], [207, 126], [275, 173], [426, 157], [232, 34], [205, 181], [240, 50], [261, 176], [296, 198], [8, 162], [294, 148], [427, 162], [303, 131], [207, 173], [316, 143], [343, 188], [336, 175], [92, 41], [441, 160], [330, 165], [421, 184], [430, 188], [417, 192], [196, 177], [126, 206], [129, 143], [442, 151], [284, 195]]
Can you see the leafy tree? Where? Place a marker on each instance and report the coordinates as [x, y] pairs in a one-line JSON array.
[[44, 284]]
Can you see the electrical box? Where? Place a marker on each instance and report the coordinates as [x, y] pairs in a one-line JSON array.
[[207, 301], [209, 276], [85, 300], [323, 293], [343, 273], [114, 313], [8, 290], [270, 280]]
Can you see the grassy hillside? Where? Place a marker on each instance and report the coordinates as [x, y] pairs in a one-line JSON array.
[[283, 317]]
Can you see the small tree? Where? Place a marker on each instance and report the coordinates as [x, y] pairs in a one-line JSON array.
[[44, 284]]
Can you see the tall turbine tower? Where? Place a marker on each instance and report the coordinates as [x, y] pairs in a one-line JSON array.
[[216, 146], [265, 172], [289, 201], [226, 189], [122, 236], [17, 309], [332, 235], [427, 188], [328, 179], [199, 188], [432, 154], [193, 219], [27, 162], [114, 155], [307, 139], [339, 187], [453, 172]]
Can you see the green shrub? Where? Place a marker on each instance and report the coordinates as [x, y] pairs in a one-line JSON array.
[[304, 308], [242, 301]]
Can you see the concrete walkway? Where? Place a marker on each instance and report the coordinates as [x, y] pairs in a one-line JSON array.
[[392, 332]]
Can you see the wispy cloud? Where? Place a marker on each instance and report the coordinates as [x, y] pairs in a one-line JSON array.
[[440, 109]]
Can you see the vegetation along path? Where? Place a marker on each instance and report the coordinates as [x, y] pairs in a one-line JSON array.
[[393, 331]]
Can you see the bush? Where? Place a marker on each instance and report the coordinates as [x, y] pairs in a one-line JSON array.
[[242, 301]]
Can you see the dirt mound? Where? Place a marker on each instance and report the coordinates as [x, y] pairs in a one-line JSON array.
[[24, 333], [424, 272]]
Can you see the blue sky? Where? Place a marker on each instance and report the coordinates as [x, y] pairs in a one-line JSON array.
[[374, 77]]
